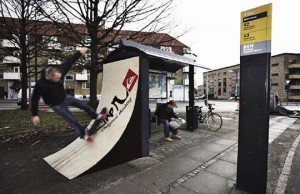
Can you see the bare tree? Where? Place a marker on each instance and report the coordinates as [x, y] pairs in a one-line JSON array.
[[19, 25], [103, 21]]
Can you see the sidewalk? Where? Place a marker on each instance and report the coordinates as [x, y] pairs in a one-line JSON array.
[[201, 162], [8, 100], [209, 168]]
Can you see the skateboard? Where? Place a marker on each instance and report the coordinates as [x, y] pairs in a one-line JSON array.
[[96, 123]]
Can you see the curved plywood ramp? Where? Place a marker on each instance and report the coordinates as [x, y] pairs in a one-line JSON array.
[[119, 93]]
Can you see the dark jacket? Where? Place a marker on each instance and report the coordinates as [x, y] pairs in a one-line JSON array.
[[52, 93], [164, 112]]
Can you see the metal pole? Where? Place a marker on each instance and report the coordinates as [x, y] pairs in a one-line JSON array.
[[236, 82], [28, 74], [191, 86], [207, 88], [183, 85], [35, 48]]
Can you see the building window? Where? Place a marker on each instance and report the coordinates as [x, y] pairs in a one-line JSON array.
[[224, 73], [16, 53], [219, 83], [224, 85], [85, 85], [49, 39], [1, 75], [86, 71], [275, 74], [186, 50], [69, 48], [219, 91], [275, 64], [274, 84], [87, 41], [69, 77], [88, 57], [17, 69], [166, 48]]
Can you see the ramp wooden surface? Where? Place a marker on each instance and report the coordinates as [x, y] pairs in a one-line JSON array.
[[120, 80]]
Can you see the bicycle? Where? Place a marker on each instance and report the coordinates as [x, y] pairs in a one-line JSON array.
[[214, 120]]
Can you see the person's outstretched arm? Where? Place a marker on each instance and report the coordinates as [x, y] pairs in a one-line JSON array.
[[65, 67], [34, 105]]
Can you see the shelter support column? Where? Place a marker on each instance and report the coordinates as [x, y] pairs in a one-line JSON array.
[[144, 83], [191, 110]]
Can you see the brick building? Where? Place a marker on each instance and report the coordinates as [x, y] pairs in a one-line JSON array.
[[284, 79], [54, 46]]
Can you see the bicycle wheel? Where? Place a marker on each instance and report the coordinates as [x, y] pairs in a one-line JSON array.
[[214, 121]]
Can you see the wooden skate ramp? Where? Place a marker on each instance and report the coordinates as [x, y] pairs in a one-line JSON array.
[[119, 92]]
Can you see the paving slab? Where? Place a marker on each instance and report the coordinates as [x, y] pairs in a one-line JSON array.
[[215, 147], [164, 174], [224, 169], [205, 182], [231, 157], [122, 188], [182, 190], [226, 142], [201, 155]]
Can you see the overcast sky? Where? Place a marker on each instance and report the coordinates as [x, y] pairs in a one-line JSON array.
[[215, 28]]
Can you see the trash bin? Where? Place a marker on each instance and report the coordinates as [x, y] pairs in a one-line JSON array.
[[192, 117]]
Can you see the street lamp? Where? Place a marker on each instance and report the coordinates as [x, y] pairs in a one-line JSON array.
[[287, 91], [206, 89], [236, 80]]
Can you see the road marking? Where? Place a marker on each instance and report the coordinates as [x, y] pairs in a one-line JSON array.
[[277, 126], [284, 176], [225, 118]]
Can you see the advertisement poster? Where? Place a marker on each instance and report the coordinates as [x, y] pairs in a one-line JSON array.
[[157, 85]]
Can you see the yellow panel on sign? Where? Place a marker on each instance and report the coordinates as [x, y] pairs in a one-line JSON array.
[[256, 24], [256, 36]]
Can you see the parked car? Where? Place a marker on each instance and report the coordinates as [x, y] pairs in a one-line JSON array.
[[233, 98], [20, 96], [86, 97]]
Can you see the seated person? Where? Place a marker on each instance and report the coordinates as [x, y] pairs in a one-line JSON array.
[[166, 114]]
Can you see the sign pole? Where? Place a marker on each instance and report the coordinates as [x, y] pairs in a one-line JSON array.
[[255, 56]]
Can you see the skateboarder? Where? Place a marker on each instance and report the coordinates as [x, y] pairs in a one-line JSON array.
[[51, 88]]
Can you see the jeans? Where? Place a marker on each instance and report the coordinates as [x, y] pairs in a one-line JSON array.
[[63, 110], [167, 128]]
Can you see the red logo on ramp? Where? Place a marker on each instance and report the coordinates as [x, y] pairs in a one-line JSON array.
[[130, 80]]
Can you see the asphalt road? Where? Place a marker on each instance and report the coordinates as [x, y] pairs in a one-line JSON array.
[[293, 185]]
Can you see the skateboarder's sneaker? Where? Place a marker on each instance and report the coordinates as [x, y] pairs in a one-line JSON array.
[[102, 115], [88, 138]]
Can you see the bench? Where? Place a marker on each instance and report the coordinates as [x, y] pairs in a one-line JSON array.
[[153, 117]]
